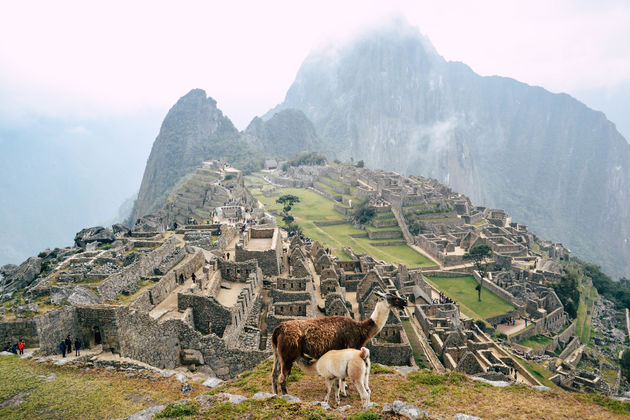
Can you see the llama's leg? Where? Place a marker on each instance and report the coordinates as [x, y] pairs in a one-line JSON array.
[[329, 387], [343, 386], [367, 379], [275, 373], [284, 375], [363, 393], [336, 391]]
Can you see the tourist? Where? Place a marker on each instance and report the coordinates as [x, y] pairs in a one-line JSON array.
[[228, 255], [68, 344], [194, 278], [21, 346], [77, 346], [7, 347], [62, 347], [14, 349]]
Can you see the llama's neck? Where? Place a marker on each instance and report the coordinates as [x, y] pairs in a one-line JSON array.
[[380, 314]]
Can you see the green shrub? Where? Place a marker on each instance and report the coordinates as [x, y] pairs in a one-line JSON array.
[[178, 410]]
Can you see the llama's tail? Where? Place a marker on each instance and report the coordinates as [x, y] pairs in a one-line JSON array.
[[365, 354]]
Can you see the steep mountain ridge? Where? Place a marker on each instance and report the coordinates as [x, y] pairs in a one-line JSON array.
[[194, 130], [388, 98]]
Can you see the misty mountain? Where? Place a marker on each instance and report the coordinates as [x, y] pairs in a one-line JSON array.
[[614, 101], [194, 130], [58, 176], [285, 134], [390, 99]]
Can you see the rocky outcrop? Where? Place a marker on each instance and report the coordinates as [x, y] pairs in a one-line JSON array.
[[15, 278], [97, 234], [390, 99]]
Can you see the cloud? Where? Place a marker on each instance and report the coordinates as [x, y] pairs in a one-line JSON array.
[[116, 57]]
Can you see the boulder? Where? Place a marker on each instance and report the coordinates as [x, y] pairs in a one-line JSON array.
[[97, 234], [15, 278], [192, 357], [120, 228], [213, 382], [147, 413], [22, 310], [405, 410], [83, 296], [150, 223]]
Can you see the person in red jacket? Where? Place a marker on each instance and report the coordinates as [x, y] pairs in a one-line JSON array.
[[21, 346]]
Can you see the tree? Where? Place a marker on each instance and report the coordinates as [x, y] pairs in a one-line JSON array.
[[288, 200], [364, 213], [360, 164], [479, 254]]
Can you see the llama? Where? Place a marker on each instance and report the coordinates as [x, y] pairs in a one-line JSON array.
[[292, 339], [336, 365]]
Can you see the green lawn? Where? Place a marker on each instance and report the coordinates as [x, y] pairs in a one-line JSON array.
[[583, 326], [462, 290], [535, 342], [314, 207]]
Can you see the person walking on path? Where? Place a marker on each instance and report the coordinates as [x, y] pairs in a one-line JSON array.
[[21, 346], [194, 278], [69, 344], [62, 347], [77, 346]]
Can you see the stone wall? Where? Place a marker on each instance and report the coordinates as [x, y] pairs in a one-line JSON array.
[[237, 272], [11, 332], [270, 261], [54, 326], [101, 320], [158, 292], [499, 291], [127, 280], [209, 316], [390, 353], [570, 348], [566, 335]]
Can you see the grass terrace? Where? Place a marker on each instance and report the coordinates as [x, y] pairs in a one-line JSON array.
[[462, 290], [535, 342], [314, 207]]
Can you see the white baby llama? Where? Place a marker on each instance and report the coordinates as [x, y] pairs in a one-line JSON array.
[[336, 365]]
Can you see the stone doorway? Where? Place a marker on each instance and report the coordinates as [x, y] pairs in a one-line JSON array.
[[97, 336]]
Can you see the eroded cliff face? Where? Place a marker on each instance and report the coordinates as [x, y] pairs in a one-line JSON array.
[[388, 98], [194, 130]]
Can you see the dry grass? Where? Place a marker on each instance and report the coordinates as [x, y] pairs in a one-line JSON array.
[[56, 392], [73, 392], [443, 395]]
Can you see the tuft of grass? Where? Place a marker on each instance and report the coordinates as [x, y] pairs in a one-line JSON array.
[[179, 410], [366, 415], [619, 407], [376, 368]]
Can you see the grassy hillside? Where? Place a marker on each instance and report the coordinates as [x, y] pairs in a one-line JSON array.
[[52, 392]]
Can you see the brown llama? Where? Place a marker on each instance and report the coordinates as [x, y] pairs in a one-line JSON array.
[[293, 339], [336, 365]]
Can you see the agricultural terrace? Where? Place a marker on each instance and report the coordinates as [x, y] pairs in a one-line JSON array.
[[462, 290], [314, 207]]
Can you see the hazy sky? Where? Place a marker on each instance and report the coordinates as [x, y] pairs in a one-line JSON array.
[[79, 59]]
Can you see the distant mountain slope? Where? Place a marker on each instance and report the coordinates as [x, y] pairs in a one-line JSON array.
[[285, 134], [194, 130], [388, 98]]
